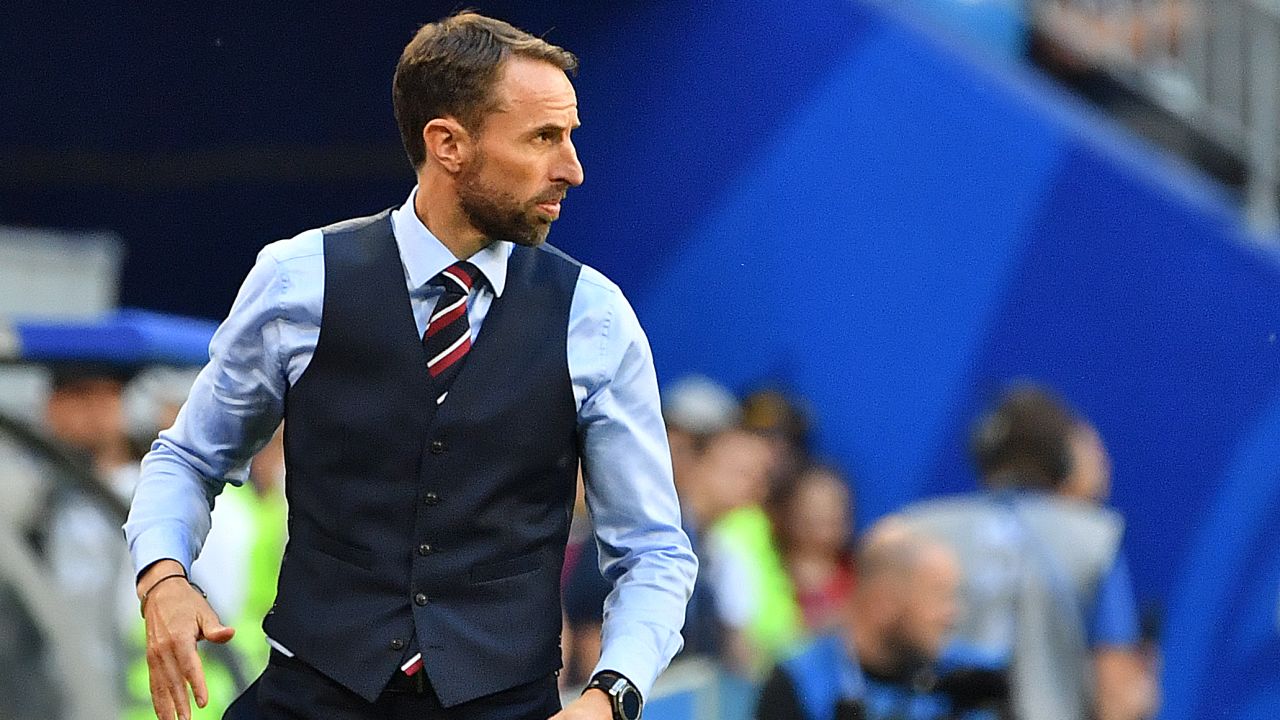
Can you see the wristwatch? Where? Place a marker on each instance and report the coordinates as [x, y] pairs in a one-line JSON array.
[[623, 696]]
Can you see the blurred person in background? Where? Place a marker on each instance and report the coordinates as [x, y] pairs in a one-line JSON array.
[[812, 521], [1122, 670], [1046, 591], [881, 661], [1083, 35], [102, 415], [783, 420], [85, 413], [731, 473], [53, 521], [1095, 48], [1076, 36], [757, 598], [694, 409], [753, 593]]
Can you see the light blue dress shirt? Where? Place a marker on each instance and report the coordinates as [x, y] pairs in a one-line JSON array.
[[267, 341]]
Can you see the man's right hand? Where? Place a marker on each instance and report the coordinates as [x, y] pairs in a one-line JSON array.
[[177, 616]]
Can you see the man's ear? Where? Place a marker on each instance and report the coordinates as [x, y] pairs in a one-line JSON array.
[[448, 143]]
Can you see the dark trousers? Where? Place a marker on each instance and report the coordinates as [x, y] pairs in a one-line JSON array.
[[291, 690]]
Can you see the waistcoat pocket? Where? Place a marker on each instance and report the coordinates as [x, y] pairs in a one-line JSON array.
[[503, 569]]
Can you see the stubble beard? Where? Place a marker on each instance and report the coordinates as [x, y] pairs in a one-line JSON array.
[[909, 656], [496, 214]]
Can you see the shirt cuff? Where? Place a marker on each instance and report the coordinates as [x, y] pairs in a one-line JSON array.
[[162, 542], [634, 660]]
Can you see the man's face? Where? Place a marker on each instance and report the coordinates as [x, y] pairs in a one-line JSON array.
[[1090, 477], [930, 603], [524, 161], [818, 516], [88, 413], [734, 470]]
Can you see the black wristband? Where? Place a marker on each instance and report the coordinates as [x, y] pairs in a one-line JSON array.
[[142, 607]]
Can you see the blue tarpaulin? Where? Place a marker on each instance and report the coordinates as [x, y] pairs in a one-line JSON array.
[[125, 337]]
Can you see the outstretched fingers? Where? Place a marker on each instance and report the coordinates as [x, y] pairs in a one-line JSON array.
[[193, 674], [168, 686]]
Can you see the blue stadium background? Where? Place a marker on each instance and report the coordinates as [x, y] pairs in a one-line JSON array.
[[818, 194]]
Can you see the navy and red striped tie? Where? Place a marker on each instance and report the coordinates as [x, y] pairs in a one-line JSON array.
[[447, 342], [448, 336]]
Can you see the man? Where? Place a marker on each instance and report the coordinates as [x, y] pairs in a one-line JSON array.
[[753, 595], [436, 412], [1046, 587], [1124, 674], [85, 414], [67, 530], [883, 662]]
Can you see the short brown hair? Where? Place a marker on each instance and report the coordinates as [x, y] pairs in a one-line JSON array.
[[450, 67], [1023, 441]]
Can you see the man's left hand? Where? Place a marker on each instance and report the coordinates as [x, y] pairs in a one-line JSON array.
[[593, 705]]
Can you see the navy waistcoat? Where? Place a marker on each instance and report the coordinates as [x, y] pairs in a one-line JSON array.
[[449, 522]]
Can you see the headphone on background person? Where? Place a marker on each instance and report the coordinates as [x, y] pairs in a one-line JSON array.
[[1028, 432]]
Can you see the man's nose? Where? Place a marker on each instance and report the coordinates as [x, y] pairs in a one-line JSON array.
[[568, 169]]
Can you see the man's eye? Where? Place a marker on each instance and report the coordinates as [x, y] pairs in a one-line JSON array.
[[546, 136]]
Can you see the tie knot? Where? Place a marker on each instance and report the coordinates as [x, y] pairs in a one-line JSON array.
[[458, 278]]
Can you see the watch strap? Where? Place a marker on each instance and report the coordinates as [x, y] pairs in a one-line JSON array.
[[607, 681]]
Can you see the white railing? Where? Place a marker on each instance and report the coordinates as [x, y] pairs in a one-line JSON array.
[[1214, 63]]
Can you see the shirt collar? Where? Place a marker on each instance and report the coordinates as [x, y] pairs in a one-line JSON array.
[[424, 256]]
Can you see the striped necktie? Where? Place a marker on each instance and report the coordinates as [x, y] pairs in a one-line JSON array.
[[447, 342], [448, 336]]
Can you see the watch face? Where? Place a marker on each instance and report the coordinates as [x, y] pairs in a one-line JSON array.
[[630, 701]]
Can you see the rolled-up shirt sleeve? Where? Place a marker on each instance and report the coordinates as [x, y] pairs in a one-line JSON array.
[[630, 493], [234, 407]]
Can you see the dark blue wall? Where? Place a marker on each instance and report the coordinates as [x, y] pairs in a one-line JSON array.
[[809, 193]]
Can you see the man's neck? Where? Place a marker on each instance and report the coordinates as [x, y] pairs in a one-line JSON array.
[[436, 205]]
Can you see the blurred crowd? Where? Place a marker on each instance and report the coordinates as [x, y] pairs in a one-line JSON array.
[[1096, 48], [1012, 601], [98, 422]]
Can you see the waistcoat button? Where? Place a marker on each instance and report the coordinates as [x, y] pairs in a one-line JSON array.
[[431, 498], [437, 447], [397, 644], [420, 599], [425, 549]]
